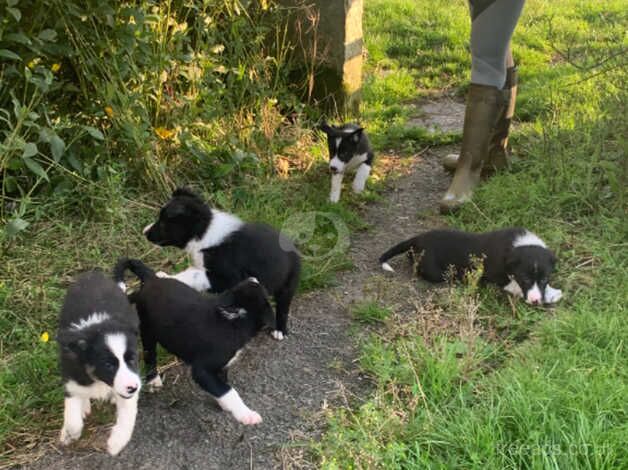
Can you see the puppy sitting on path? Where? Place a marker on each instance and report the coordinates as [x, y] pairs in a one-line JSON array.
[[514, 259]]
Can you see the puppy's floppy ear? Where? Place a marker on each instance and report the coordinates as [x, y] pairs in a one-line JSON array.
[[233, 312], [356, 135], [175, 210], [72, 340], [182, 191]]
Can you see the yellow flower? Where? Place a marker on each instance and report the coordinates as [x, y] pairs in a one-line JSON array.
[[55, 68], [109, 111], [264, 4], [33, 63], [218, 48], [164, 133], [44, 337]]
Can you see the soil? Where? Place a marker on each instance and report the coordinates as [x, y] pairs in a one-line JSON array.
[[290, 383], [440, 114]]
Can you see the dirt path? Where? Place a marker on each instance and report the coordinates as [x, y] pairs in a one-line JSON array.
[[288, 382]]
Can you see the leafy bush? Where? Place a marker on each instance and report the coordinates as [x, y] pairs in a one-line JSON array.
[[154, 89]]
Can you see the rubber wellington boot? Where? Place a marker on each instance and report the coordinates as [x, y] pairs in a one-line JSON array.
[[498, 158], [498, 146], [485, 104]]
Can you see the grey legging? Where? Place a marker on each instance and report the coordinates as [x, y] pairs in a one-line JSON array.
[[492, 25]]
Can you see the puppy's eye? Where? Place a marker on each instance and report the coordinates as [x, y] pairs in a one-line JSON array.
[[110, 364], [129, 356]]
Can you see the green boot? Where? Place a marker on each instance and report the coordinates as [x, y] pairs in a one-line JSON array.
[[498, 146], [485, 105], [498, 158]]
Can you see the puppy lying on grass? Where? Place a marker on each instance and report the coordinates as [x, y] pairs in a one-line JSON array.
[[515, 259]]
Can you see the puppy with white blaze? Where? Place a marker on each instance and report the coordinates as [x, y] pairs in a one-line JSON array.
[[207, 332], [515, 259], [349, 150], [225, 251], [97, 339]]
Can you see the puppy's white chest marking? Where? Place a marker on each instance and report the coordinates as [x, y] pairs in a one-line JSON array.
[[221, 226], [514, 288], [356, 161], [98, 390]]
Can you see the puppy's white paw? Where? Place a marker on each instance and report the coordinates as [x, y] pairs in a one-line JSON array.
[[552, 295], [249, 417], [69, 435], [387, 267], [162, 274], [86, 408], [117, 441], [276, 334], [154, 384], [357, 188]]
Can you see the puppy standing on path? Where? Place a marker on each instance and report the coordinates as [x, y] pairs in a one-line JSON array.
[[228, 250], [98, 356], [349, 150], [514, 259], [207, 332]]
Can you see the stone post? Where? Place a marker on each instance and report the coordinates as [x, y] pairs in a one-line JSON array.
[[329, 35]]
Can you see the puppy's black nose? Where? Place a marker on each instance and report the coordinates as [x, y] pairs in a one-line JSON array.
[[131, 389], [333, 169]]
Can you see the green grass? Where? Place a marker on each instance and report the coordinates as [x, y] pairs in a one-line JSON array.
[[548, 389], [370, 312]]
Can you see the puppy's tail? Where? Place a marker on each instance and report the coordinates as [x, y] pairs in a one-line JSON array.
[[138, 268], [394, 251]]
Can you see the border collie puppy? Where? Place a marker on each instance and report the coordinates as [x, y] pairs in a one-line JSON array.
[[97, 339], [514, 259], [227, 250], [207, 332], [349, 150]]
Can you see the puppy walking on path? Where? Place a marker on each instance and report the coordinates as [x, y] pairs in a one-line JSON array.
[[207, 332], [98, 356], [514, 259], [225, 250], [349, 150]]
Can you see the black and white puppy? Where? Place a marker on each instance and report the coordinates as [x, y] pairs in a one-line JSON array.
[[515, 259], [207, 332], [97, 338], [349, 150], [225, 250]]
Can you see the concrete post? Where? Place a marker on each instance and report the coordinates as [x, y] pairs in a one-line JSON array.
[[329, 35]]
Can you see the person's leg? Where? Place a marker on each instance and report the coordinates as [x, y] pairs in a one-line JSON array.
[[493, 22]]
